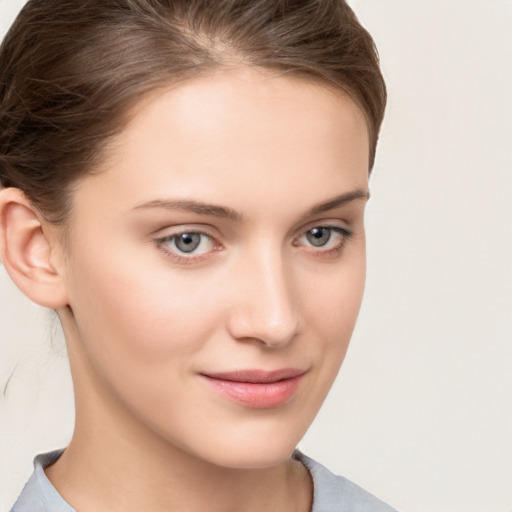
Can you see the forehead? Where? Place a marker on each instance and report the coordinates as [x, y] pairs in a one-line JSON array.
[[237, 129], [246, 98]]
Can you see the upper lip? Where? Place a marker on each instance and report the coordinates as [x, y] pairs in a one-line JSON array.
[[257, 376]]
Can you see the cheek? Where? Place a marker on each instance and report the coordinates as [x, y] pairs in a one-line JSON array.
[[125, 310], [332, 309], [330, 306], [138, 335], [333, 302]]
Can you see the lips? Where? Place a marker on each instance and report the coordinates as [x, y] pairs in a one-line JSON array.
[[258, 389]]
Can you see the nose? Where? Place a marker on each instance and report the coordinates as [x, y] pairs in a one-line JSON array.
[[264, 307]]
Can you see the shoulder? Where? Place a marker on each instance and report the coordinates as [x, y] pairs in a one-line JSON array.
[[334, 493], [39, 495]]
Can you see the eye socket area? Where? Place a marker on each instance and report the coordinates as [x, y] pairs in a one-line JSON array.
[[323, 239], [187, 244], [190, 245]]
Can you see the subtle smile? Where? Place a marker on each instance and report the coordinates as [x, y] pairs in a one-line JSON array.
[[257, 389]]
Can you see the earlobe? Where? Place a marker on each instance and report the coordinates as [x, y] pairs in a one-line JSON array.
[[26, 251]]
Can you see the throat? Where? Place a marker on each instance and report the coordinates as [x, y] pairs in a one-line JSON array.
[[115, 484]]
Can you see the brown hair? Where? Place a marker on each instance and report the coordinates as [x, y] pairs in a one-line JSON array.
[[71, 69]]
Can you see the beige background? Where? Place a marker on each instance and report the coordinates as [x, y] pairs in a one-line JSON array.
[[421, 414]]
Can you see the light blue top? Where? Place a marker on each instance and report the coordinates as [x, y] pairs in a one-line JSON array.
[[331, 493]]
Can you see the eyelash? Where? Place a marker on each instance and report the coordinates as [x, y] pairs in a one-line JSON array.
[[162, 244], [344, 235]]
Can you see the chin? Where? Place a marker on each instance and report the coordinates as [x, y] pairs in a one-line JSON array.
[[250, 448], [250, 457]]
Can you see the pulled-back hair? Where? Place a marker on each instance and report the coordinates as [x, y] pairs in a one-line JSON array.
[[71, 69]]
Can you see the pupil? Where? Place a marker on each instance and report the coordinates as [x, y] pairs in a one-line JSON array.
[[318, 236], [188, 242]]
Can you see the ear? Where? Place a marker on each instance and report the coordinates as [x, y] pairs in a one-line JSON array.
[[30, 250]]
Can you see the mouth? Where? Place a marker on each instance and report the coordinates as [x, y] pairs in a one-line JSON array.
[[257, 389]]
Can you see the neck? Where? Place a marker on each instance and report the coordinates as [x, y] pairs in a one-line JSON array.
[[116, 474]]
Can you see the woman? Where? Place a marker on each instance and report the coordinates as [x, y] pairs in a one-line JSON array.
[[184, 182]]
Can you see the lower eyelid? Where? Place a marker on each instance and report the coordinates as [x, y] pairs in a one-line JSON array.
[[181, 257], [190, 258]]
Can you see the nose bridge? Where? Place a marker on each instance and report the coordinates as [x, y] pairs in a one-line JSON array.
[[267, 309]]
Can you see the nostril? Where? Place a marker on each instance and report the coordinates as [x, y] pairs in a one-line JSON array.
[[281, 332]]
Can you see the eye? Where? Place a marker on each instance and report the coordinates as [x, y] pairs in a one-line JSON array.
[[318, 237], [187, 244], [328, 240]]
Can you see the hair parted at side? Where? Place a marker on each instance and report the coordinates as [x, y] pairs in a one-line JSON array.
[[71, 69]]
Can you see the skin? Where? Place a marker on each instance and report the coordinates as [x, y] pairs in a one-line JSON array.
[[144, 322]]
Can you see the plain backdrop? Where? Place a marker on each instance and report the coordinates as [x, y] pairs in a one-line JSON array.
[[421, 414]]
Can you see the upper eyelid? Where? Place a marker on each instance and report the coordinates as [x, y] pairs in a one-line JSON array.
[[185, 232], [336, 224], [344, 232], [182, 257], [192, 258], [212, 232], [162, 239], [331, 219], [178, 229]]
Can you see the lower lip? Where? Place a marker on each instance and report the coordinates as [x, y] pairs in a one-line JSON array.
[[257, 395]]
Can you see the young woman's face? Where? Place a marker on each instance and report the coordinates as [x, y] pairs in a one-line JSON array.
[[216, 266]]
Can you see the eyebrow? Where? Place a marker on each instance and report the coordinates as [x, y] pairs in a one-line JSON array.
[[228, 213], [192, 206], [338, 201]]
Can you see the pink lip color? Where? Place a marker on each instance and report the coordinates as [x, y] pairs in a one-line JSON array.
[[256, 388]]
